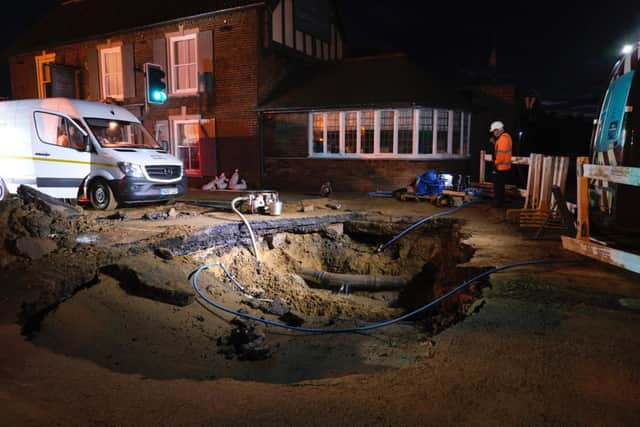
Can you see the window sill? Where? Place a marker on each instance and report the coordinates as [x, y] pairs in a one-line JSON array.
[[183, 94]]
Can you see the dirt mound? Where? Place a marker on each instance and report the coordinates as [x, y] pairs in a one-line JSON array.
[[31, 227]]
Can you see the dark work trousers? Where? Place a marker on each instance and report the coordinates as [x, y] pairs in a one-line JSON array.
[[498, 186]]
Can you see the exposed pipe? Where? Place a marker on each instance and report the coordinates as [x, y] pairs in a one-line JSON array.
[[194, 282], [325, 280], [253, 238]]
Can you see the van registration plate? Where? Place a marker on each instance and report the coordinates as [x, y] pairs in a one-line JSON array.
[[168, 191]]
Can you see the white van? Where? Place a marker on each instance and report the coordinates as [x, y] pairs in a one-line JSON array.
[[74, 149]]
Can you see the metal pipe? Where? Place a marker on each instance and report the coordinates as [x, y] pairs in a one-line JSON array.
[[253, 238], [322, 279]]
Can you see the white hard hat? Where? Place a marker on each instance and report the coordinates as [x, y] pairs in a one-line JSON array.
[[496, 125]]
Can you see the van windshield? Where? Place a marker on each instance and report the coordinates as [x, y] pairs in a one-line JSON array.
[[118, 133]]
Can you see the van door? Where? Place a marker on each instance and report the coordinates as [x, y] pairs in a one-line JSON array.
[[60, 154]]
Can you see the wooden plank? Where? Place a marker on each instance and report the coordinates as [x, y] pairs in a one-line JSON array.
[[606, 254], [537, 174], [529, 180], [520, 160], [565, 170], [416, 198], [482, 165], [454, 193], [545, 184], [617, 174], [582, 200], [555, 177]]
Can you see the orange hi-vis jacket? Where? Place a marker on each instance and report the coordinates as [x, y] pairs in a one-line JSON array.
[[503, 152]]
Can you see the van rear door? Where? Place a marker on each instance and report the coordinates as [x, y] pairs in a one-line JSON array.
[[61, 158]]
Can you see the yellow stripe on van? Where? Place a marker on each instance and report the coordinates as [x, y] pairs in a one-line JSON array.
[[77, 162]]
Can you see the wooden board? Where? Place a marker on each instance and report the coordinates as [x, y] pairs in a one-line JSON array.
[[582, 220], [415, 198], [606, 254]]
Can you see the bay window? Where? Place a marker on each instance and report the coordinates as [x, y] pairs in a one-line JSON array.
[[407, 133]]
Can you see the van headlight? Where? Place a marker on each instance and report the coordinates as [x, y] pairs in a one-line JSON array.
[[131, 169]]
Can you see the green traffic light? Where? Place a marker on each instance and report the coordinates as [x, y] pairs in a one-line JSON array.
[[159, 96]]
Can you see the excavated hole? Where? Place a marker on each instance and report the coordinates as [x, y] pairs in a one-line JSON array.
[[133, 334]]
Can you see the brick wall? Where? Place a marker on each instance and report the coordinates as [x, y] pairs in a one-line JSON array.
[[235, 65], [286, 135], [304, 174]]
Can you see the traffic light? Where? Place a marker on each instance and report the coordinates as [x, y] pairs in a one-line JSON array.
[[156, 89]]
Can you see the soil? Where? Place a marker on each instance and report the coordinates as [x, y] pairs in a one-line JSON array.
[[553, 344]]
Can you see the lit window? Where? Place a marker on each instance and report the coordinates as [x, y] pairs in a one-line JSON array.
[[318, 133], [111, 73], [187, 141], [333, 133], [43, 74], [443, 132], [390, 133], [386, 131], [184, 63], [405, 131], [350, 132], [366, 132], [425, 132]]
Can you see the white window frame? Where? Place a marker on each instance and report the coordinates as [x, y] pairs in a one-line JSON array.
[[172, 78], [182, 120], [415, 119], [41, 60], [103, 76]]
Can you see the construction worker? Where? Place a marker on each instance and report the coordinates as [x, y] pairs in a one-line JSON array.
[[502, 160]]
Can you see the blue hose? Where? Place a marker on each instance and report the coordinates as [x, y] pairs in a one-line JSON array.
[[423, 220], [194, 281]]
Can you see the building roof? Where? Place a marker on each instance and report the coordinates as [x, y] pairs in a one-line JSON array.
[[75, 20], [380, 81]]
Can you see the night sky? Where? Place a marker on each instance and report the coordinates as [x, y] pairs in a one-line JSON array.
[[561, 50]]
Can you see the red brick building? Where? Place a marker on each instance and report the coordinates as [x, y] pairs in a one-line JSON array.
[[221, 57]]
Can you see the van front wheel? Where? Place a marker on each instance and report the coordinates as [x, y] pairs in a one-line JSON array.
[[101, 195]]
